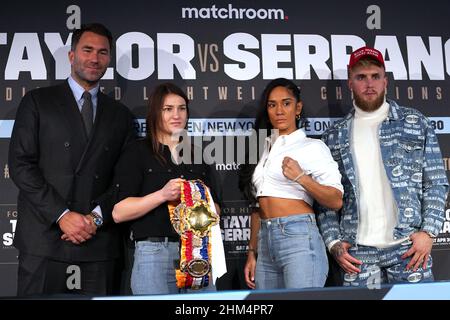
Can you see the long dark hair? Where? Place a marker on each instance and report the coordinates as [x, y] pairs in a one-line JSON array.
[[154, 115], [262, 122]]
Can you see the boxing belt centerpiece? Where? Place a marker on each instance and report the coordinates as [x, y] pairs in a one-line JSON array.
[[192, 219]]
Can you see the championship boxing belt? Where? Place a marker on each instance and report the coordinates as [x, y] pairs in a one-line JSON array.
[[192, 219]]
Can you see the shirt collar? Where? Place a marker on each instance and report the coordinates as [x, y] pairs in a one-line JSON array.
[[295, 136], [78, 90]]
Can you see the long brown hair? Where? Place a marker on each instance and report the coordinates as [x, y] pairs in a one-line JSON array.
[[154, 114]]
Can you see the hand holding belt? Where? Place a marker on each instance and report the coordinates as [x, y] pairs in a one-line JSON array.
[[192, 219]]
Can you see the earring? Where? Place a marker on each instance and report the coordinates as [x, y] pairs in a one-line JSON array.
[[298, 116]]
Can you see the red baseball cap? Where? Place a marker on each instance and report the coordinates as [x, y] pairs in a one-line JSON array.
[[365, 52]]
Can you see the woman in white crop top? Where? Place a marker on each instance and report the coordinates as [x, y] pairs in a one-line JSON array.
[[286, 249]]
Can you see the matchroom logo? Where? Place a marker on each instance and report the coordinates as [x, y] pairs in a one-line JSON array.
[[233, 13]]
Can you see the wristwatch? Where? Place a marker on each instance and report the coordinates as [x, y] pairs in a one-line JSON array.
[[96, 218], [192, 219]]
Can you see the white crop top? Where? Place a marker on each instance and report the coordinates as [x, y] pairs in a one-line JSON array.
[[313, 156]]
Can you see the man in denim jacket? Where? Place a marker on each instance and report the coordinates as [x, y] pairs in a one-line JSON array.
[[395, 186]]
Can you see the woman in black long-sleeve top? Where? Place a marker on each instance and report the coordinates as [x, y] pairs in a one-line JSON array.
[[148, 177]]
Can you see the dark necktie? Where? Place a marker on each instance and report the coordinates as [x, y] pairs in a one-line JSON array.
[[87, 112]]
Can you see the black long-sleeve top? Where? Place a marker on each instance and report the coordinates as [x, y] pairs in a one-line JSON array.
[[139, 173]]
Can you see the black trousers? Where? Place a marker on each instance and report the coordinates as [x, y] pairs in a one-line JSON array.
[[234, 279], [38, 276]]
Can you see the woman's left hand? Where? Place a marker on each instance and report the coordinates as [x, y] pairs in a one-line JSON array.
[[291, 168]]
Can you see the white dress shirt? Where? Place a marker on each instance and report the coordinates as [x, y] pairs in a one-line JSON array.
[[313, 156]]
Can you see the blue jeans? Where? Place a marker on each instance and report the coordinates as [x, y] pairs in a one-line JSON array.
[[381, 266], [291, 253], [154, 269]]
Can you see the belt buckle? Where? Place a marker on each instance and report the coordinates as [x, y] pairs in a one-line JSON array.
[[198, 268], [200, 219]]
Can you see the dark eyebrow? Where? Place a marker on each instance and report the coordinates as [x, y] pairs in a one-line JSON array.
[[284, 99], [171, 105], [86, 46]]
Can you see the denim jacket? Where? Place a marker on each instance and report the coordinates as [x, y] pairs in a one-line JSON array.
[[413, 163]]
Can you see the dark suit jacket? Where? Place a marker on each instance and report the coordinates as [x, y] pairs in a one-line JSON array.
[[55, 166]]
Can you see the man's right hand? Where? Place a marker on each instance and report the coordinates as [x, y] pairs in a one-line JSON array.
[[76, 227], [340, 253]]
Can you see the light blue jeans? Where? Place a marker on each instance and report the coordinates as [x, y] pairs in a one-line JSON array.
[[291, 253], [154, 269]]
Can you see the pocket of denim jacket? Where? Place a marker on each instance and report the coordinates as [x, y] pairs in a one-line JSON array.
[[409, 145], [411, 151]]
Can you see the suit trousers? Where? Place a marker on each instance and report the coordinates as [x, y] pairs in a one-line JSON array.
[[38, 276]]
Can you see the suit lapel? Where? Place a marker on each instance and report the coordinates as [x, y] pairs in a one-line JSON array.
[[100, 126]]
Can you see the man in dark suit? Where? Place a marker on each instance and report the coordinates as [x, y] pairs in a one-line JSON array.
[[64, 146]]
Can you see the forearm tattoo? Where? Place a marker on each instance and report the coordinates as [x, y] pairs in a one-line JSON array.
[[337, 250]]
